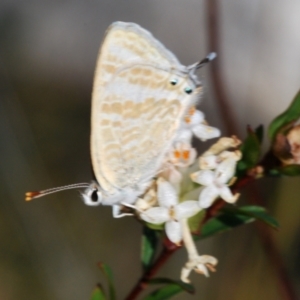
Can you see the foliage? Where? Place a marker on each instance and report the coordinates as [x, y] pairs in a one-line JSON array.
[[292, 114]]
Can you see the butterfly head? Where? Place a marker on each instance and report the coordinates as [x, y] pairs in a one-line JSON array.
[[93, 195], [190, 71]]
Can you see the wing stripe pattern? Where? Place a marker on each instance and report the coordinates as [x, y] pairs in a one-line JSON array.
[[136, 111]]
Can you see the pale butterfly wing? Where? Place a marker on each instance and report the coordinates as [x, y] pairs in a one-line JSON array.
[[136, 110], [141, 93], [126, 42]]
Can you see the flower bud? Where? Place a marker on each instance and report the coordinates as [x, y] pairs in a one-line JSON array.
[[287, 146]]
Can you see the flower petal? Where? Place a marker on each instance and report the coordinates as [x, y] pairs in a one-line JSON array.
[[166, 194], [204, 177], [201, 269], [192, 157], [186, 209], [207, 196], [174, 175], [184, 135], [156, 215], [197, 117], [227, 195], [204, 132], [185, 273], [173, 231], [225, 170], [208, 162]]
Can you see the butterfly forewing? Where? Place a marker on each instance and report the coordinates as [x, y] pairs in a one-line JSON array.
[[125, 43], [136, 111]]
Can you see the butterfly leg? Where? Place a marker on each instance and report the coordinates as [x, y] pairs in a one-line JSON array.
[[116, 212]]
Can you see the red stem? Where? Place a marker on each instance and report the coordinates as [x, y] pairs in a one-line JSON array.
[[166, 253]]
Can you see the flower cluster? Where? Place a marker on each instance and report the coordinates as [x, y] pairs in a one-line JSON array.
[[162, 204], [216, 169]]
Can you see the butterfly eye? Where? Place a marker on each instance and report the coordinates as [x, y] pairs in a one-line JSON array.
[[95, 196], [174, 81], [188, 90]]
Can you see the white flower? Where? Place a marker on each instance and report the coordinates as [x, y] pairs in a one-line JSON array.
[[200, 264], [222, 144], [171, 174], [182, 155], [210, 161], [148, 200], [195, 124], [170, 211], [215, 183]]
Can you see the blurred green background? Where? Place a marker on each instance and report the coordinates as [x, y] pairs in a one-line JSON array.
[[49, 247]]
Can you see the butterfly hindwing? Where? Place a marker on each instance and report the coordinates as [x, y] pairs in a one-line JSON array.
[[136, 122]]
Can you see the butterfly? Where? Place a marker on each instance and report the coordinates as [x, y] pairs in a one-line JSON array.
[[140, 95]]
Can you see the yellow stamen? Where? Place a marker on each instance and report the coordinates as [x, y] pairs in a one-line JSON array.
[[177, 154]]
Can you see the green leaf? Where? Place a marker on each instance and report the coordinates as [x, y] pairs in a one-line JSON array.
[[250, 152], [222, 223], [232, 217], [98, 294], [165, 292], [185, 286], [149, 244], [290, 170], [259, 132], [290, 115], [106, 270], [259, 213]]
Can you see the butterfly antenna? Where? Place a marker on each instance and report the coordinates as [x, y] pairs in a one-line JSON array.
[[37, 194], [203, 62]]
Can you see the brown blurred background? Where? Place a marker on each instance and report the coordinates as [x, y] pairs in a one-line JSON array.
[[49, 247]]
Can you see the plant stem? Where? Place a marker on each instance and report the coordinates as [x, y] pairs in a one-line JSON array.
[[213, 28], [266, 237], [165, 254], [267, 240], [170, 248]]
